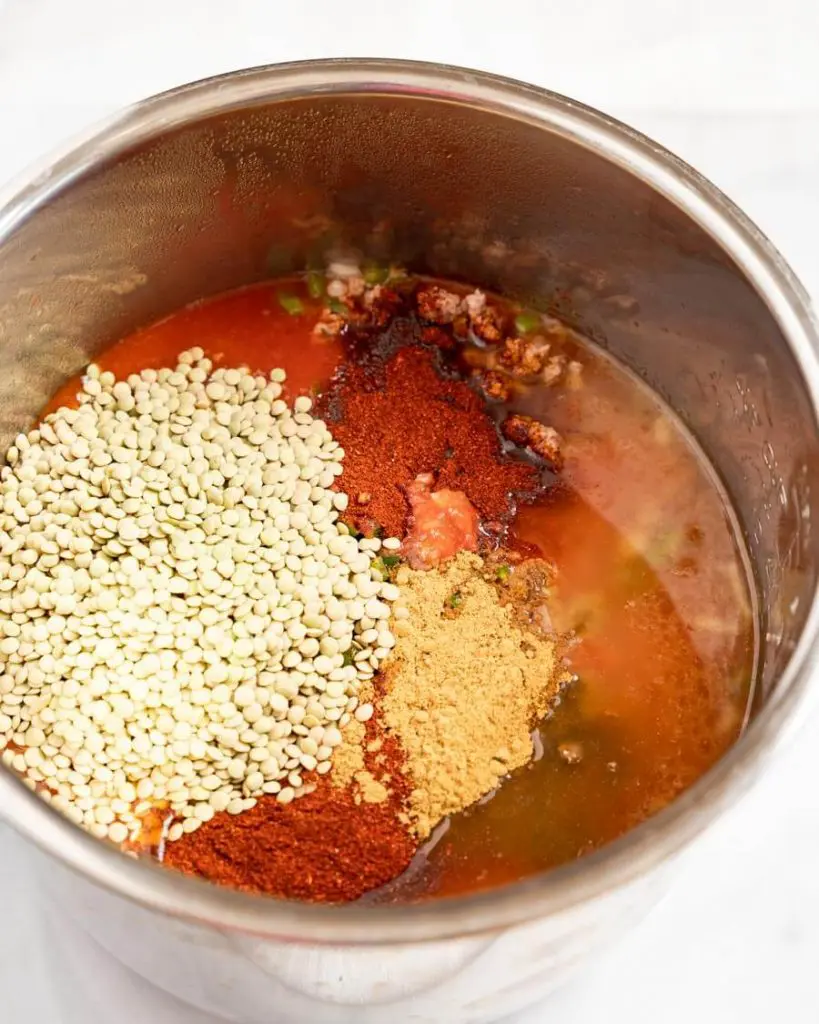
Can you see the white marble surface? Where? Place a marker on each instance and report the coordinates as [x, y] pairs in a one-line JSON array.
[[733, 87]]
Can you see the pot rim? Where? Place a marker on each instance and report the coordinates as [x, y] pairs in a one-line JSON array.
[[653, 842]]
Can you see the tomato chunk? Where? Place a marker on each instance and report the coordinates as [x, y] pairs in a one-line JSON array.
[[442, 524]]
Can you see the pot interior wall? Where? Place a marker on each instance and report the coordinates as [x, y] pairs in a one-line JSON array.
[[454, 190]]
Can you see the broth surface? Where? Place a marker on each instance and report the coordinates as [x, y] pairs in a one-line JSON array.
[[651, 580]]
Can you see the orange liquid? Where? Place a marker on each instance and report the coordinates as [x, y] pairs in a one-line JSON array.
[[245, 328], [650, 575]]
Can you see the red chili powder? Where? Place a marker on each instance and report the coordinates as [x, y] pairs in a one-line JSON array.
[[323, 848], [326, 847], [419, 422]]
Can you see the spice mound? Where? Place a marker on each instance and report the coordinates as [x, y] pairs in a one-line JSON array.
[[464, 688], [419, 422], [328, 847]]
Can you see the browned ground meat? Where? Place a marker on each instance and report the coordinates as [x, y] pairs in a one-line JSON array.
[[438, 305], [537, 437], [488, 325], [524, 357], [329, 324], [493, 384], [553, 370]]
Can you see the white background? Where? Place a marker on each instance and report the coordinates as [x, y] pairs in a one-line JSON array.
[[733, 87]]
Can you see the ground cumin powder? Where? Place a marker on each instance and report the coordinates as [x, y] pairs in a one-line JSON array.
[[348, 757], [350, 768], [354, 758], [463, 689]]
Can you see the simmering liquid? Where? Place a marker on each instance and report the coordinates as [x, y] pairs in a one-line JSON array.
[[651, 582]]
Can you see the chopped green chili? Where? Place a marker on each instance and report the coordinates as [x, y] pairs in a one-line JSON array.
[[337, 306], [291, 304], [347, 658], [315, 284], [374, 274], [386, 565], [502, 572], [525, 323], [454, 599]]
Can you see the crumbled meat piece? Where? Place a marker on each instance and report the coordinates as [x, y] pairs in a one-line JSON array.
[[488, 325], [442, 524], [372, 308], [475, 304], [529, 433], [438, 305], [493, 384], [524, 357], [376, 307], [365, 306], [329, 324], [553, 370]]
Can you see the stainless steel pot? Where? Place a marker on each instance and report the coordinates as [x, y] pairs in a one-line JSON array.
[[227, 181]]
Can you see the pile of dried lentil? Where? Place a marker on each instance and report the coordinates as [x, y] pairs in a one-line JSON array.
[[179, 599]]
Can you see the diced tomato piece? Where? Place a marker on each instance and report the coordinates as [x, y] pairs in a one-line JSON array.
[[443, 523]]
